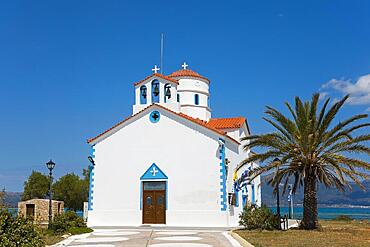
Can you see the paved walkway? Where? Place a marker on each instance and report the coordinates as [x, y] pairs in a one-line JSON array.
[[155, 237]]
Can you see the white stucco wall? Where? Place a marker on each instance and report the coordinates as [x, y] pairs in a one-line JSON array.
[[186, 152]]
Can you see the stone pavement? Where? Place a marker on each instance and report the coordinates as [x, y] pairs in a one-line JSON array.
[[155, 237]]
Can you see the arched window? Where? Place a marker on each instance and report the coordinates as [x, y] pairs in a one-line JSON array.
[[167, 92], [155, 91], [143, 94], [196, 99]]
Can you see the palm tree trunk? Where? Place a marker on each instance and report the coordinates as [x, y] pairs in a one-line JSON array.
[[310, 220]]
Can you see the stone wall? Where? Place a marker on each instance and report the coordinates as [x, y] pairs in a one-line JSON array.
[[41, 213]]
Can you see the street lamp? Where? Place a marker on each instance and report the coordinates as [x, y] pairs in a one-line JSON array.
[[91, 160], [50, 165], [277, 193]]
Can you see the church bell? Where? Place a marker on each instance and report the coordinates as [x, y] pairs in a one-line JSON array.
[[156, 90], [168, 93], [143, 92]]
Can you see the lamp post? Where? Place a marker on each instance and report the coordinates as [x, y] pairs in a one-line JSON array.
[[278, 194], [50, 165]]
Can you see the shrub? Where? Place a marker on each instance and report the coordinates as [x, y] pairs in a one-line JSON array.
[[16, 231], [343, 218], [79, 230], [254, 217], [64, 222]]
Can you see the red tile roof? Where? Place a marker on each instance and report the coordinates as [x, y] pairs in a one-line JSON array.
[[226, 123], [194, 120], [158, 75], [187, 73]]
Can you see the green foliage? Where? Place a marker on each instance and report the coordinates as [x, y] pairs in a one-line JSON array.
[[2, 197], [72, 190], [36, 186], [64, 222], [308, 148], [343, 218], [18, 231], [79, 230], [262, 218]]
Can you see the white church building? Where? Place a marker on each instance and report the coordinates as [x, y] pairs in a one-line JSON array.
[[170, 162]]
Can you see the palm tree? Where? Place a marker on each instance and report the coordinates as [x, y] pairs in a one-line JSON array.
[[310, 150]]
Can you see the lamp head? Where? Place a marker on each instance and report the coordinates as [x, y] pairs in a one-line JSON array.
[[50, 165], [91, 160]]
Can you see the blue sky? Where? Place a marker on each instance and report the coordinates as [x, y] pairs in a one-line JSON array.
[[67, 67]]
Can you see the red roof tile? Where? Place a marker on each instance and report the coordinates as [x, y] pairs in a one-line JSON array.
[[187, 73], [194, 120], [226, 123], [158, 75]]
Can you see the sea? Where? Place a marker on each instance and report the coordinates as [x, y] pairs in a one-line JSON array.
[[325, 213]]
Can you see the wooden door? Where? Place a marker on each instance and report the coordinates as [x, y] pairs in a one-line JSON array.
[[154, 205], [149, 207], [30, 210], [160, 207]]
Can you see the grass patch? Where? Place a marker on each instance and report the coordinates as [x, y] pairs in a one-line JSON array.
[[51, 237], [354, 233]]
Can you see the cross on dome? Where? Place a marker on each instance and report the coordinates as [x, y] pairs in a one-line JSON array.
[[184, 65], [155, 69], [154, 171]]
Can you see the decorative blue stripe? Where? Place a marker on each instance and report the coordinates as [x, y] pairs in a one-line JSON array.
[[166, 195], [91, 171], [141, 195], [223, 176]]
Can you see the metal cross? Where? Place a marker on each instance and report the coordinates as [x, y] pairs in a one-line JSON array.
[[154, 171], [184, 65], [155, 69], [155, 116]]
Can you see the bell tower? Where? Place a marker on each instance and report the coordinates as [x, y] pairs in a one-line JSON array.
[[156, 89]]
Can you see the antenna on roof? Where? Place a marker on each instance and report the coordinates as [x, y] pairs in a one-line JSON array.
[[162, 38]]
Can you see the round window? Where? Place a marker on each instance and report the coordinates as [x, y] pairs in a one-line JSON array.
[[154, 116]]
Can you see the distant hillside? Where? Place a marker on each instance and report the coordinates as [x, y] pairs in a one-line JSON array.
[[328, 197], [11, 199]]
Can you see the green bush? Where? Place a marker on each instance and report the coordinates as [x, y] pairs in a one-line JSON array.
[[18, 231], [79, 230], [64, 222], [262, 218], [343, 218]]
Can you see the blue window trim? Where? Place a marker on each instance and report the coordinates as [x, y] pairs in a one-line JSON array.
[[151, 116], [223, 176], [91, 185], [196, 99]]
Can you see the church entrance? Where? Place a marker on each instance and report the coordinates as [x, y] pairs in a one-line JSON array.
[[154, 202]]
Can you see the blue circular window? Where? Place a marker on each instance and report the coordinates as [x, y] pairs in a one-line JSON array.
[[154, 116]]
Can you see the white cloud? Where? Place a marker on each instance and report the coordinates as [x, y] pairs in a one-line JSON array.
[[359, 91]]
